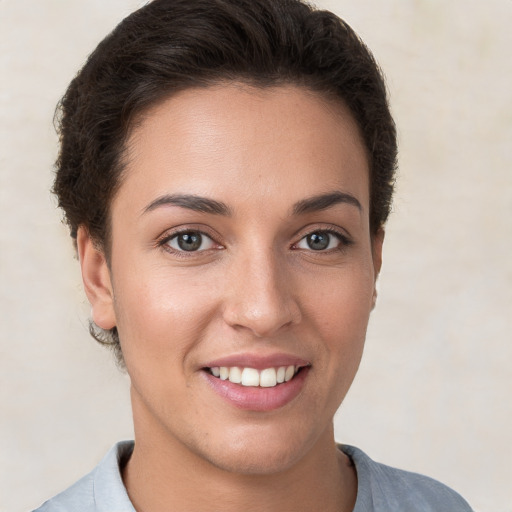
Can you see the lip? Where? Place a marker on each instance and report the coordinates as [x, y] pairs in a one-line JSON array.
[[258, 399], [258, 361]]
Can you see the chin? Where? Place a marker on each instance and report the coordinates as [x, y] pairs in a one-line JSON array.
[[264, 453], [253, 461]]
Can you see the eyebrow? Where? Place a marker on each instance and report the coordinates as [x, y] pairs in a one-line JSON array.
[[324, 201], [191, 202], [210, 206]]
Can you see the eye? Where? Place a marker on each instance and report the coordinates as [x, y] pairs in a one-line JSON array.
[[321, 241], [190, 241]]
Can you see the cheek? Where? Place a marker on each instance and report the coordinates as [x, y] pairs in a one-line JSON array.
[[342, 302], [341, 311], [161, 315]]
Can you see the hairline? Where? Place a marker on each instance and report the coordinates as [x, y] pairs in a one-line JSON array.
[[326, 96]]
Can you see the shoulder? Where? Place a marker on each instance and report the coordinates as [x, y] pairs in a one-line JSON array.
[[80, 496], [100, 490], [382, 488]]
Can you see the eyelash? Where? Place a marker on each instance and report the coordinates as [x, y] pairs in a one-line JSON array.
[[344, 240], [164, 242]]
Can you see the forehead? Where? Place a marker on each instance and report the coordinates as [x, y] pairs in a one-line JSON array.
[[237, 141]]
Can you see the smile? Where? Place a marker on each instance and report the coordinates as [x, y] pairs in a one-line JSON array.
[[250, 377]]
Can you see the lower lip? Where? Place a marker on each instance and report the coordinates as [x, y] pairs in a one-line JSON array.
[[257, 398]]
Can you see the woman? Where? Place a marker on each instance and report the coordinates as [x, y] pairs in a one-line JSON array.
[[226, 170]]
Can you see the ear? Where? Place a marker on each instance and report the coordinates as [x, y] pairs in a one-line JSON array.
[[377, 242], [96, 279]]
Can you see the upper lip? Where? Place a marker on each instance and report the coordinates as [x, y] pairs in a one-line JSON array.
[[257, 361]]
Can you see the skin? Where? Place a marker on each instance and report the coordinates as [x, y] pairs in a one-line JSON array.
[[257, 287]]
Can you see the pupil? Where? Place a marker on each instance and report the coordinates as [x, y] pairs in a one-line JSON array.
[[318, 241], [189, 241]]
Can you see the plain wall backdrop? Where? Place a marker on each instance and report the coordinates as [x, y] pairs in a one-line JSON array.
[[434, 389]]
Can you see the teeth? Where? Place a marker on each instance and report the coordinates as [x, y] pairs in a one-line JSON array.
[[267, 378], [235, 375], [250, 377], [289, 373]]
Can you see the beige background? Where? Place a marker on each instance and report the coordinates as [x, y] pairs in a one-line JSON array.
[[433, 392]]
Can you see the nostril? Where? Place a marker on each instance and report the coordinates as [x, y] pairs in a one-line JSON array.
[[260, 297], [262, 322]]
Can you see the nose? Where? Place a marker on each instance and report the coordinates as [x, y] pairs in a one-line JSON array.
[[260, 296]]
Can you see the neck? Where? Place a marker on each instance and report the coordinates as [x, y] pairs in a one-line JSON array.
[[163, 473]]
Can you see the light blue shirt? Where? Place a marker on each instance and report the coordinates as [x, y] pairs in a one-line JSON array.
[[380, 488]]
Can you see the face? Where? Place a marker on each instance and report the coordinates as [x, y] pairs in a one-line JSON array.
[[242, 273]]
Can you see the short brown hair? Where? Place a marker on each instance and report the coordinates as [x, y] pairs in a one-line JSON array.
[[171, 45]]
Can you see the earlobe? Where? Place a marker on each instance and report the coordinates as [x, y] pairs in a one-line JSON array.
[[96, 279], [377, 243]]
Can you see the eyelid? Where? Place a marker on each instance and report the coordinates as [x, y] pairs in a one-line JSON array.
[[344, 237], [302, 244], [174, 243], [163, 240]]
